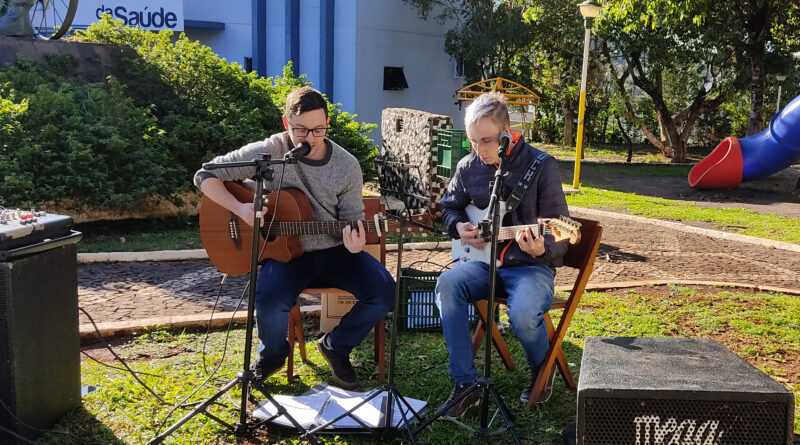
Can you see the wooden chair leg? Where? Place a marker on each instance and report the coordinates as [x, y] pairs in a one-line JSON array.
[[554, 357], [497, 339], [294, 321], [301, 340], [561, 358]]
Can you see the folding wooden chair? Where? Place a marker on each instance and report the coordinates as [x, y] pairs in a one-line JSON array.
[[579, 256], [376, 247]]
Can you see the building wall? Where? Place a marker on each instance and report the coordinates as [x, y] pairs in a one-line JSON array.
[[368, 35], [393, 35], [234, 43]]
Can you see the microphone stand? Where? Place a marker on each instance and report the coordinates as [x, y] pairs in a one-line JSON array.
[[245, 377], [389, 387], [485, 383]]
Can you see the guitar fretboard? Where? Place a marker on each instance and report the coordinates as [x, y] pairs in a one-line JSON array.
[[281, 228], [511, 232]]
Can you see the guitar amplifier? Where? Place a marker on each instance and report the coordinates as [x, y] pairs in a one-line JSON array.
[[650, 391], [39, 340]]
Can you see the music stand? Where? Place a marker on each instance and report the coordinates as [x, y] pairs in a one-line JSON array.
[[485, 383], [389, 387], [244, 378]]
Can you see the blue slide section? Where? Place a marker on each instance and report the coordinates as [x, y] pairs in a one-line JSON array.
[[775, 148]]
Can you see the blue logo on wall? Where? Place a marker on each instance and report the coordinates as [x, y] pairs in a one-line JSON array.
[[143, 18]]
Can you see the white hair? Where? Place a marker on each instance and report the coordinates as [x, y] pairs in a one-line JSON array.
[[491, 105]]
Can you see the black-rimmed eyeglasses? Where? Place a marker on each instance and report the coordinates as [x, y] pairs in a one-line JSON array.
[[300, 132]]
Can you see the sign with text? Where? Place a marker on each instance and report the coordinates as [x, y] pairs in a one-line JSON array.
[[153, 15]]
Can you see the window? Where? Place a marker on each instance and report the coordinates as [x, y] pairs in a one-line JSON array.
[[457, 66], [393, 78]]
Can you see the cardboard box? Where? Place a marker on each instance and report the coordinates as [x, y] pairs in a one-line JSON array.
[[334, 306]]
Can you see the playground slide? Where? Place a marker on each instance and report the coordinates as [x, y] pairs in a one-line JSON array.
[[736, 160]]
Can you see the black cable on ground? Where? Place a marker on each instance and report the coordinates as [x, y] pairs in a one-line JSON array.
[[133, 373]]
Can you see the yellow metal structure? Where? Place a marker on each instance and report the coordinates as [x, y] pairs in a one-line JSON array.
[[515, 93]]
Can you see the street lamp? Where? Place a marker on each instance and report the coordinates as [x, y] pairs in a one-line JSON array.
[[780, 78], [589, 10]]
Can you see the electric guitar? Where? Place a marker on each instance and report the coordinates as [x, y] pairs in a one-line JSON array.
[[228, 239], [562, 228]]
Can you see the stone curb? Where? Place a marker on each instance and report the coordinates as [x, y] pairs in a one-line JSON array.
[[130, 328]]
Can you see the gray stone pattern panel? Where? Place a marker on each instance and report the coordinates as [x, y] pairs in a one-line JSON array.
[[407, 158]]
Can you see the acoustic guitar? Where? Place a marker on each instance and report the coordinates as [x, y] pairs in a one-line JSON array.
[[228, 239]]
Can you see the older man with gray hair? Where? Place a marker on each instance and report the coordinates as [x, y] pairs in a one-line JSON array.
[[527, 263]]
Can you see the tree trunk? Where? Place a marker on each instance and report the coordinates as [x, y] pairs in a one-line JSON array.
[[627, 138], [678, 151], [757, 27], [569, 117]]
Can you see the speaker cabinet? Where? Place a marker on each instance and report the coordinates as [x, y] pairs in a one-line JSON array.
[[39, 341], [659, 391]]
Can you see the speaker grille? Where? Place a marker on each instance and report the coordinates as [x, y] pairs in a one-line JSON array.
[[616, 421]]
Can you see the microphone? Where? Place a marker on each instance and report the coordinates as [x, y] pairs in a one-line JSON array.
[[505, 142], [297, 152]]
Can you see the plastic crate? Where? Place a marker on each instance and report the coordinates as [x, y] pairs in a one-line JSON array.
[[418, 311], [452, 146]]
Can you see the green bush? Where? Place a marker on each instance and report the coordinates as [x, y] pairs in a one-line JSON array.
[[206, 105], [167, 105], [66, 139]]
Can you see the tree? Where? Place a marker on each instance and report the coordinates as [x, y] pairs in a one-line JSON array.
[[656, 48], [534, 42], [760, 35]]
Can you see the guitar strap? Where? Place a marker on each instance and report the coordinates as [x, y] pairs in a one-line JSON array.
[[524, 182]]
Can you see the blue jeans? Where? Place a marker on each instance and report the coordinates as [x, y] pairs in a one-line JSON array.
[[529, 289], [279, 284]]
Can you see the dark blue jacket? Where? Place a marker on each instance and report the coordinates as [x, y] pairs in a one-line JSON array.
[[544, 198]]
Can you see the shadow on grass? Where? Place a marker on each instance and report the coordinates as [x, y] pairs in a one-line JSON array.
[[80, 427]]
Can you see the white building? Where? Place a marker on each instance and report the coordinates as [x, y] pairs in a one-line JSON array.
[[365, 54]]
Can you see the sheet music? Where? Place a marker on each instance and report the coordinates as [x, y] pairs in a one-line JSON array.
[[323, 403]]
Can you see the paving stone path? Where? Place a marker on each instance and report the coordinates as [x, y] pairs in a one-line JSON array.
[[630, 251]]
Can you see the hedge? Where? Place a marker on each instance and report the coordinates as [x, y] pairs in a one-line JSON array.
[[140, 134]]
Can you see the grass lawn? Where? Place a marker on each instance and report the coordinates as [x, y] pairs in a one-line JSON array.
[[759, 327], [735, 220]]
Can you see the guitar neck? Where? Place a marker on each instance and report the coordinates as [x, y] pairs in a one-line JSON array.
[[511, 231], [281, 228]]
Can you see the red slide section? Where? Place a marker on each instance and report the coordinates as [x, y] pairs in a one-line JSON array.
[[722, 168]]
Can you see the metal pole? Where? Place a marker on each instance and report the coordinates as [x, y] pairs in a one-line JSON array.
[[778, 104], [582, 104]]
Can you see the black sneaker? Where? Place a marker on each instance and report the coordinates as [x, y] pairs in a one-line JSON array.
[[263, 369], [546, 393], [463, 405], [344, 376]]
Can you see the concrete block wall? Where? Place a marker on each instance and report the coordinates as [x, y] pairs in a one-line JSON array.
[[407, 157]]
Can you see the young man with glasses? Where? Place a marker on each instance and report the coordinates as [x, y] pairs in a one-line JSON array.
[[528, 262], [331, 179]]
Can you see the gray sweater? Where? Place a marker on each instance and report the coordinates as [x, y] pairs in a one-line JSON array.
[[333, 184]]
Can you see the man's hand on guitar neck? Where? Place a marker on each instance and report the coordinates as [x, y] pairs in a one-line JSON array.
[[354, 239], [530, 243], [470, 234]]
